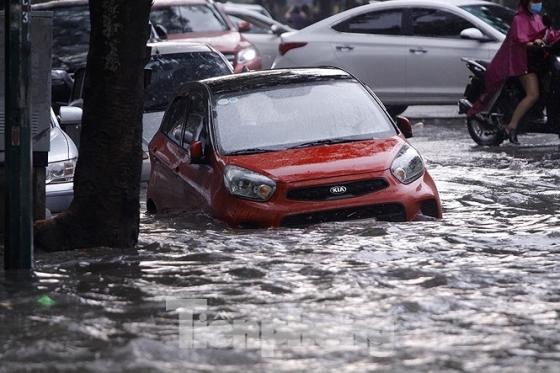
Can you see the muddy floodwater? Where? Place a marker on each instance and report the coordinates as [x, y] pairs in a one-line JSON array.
[[478, 291]]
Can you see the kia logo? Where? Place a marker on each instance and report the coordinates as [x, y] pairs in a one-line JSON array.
[[338, 189]]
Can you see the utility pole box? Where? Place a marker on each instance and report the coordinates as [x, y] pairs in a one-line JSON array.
[[40, 90]]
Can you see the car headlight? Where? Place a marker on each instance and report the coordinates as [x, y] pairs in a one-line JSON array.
[[246, 55], [248, 184], [408, 165], [61, 172]]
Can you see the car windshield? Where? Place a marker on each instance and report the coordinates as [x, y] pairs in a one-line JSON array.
[[70, 36], [496, 16], [297, 115], [170, 71], [182, 19]]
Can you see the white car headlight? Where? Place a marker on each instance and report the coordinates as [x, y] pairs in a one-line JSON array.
[[60, 172], [246, 55], [408, 165], [248, 184]]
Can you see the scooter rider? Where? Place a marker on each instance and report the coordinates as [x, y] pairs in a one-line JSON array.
[[512, 60]]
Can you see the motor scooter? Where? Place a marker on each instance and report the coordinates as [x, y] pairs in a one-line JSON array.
[[487, 127]]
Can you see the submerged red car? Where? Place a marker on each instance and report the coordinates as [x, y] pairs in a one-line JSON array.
[[287, 148]]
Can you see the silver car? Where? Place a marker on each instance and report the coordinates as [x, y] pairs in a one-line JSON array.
[[60, 170], [264, 32], [408, 51]]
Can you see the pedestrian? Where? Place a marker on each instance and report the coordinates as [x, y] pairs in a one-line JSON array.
[[307, 15], [294, 18], [513, 60]]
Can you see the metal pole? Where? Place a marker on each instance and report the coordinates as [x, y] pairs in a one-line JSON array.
[[18, 248]]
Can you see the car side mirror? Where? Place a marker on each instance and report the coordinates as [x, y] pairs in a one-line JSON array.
[[243, 26], [277, 30], [161, 31], [196, 151], [70, 115], [404, 126], [474, 34]]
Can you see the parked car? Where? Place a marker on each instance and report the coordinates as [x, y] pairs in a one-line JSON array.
[[172, 64], [264, 32], [71, 28], [204, 21], [62, 158], [251, 7], [408, 51], [287, 148]]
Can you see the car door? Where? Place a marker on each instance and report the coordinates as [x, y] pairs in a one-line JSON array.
[[168, 155], [435, 73], [196, 176], [373, 47], [261, 36]]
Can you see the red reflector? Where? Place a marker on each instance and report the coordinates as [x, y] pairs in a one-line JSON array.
[[283, 48]]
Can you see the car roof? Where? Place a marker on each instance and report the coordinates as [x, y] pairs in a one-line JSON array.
[[70, 3], [271, 78], [259, 16], [169, 47], [252, 7], [158, 3], [437, 2], [58, 4]]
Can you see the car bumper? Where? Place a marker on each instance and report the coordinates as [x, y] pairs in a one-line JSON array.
[[396, 202], [59, 196]]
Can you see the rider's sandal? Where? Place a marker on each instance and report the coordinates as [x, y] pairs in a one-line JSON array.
[[512, 135]]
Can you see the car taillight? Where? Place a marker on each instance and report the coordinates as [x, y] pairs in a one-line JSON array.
[[283, 48]]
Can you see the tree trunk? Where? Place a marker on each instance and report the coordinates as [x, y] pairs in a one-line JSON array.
[[106, 206]]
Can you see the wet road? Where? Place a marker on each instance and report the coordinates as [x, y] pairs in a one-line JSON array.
[[478, 291]]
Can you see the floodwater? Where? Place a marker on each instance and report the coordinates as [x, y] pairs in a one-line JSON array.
[[478, 291]]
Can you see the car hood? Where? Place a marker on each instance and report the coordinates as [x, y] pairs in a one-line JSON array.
[[324, 161], [62, 147], [225, 42]]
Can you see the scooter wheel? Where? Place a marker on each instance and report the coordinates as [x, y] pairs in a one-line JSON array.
[[483, 133]]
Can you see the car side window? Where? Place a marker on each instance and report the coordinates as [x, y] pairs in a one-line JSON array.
[[386, 22], [175, 119], [196, 118], [437, 23]]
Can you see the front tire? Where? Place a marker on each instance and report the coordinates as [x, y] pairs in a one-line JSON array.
[[483, 133]]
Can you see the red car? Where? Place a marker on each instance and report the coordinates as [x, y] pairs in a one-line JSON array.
[[204, 21], [287, 148]]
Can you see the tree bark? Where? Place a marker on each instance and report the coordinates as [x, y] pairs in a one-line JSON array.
[[106, 206]]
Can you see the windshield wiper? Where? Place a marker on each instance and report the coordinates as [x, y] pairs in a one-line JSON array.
[[252, 151], [327, 142]]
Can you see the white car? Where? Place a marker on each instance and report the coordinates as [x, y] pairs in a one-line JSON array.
[[264, 32], [408, 51], [59, 182], [252, 7]]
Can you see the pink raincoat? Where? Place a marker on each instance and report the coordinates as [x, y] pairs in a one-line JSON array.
[[511, 58]]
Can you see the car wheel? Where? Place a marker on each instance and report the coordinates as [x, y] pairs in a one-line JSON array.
[[395, 110]]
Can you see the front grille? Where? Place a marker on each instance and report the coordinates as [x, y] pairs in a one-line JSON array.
[[385, 212], [337, 191]]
